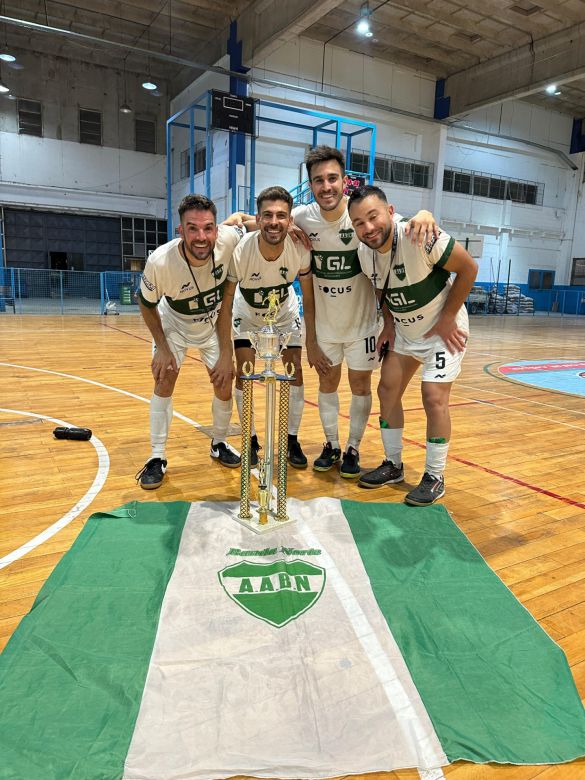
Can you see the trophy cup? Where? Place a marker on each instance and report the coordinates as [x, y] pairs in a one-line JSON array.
[[268, 343]]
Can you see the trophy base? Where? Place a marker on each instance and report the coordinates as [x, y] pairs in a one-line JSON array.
[[271, 524]]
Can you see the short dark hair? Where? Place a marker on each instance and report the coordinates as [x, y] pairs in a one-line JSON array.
[[322, 153], [274, 193], [364, 192], [197, 202]]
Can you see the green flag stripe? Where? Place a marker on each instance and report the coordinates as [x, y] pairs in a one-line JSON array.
[[85, 685], [475, 654]]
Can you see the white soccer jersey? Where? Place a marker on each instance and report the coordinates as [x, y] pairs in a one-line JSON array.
[[345, 305], [188, 306], [418, 284], [256, 277]]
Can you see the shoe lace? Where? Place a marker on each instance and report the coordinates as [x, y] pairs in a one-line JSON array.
[[147, 466]]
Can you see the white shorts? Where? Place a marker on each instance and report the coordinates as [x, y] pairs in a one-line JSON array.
[[244, 325], [359, 355], [439, 365], [208, 350]]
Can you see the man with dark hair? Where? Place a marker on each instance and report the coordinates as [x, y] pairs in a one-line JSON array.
[[180, 298], [341, 290], [425, 323], [268, 261]]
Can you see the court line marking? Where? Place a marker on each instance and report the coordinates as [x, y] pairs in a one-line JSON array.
[[96, 486], [180, 416], [519, 398]]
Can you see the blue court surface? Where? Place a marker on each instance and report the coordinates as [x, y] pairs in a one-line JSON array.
[[562, 376]]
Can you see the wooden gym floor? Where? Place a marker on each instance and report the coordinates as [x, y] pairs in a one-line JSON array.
[[515, 477]]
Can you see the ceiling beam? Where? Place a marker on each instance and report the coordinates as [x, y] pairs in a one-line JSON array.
[[267, 24], [557, 58]]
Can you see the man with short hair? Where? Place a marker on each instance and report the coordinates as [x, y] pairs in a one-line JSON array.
[[345, 306], [268, 261], [180, 297], [425, 324]]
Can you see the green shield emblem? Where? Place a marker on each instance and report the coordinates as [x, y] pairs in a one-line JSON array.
[[400, 271], [276, 592], [346, 235]]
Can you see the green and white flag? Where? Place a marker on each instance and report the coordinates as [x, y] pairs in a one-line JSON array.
[[171, 642]]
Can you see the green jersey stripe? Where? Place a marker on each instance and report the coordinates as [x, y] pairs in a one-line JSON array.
[[446, 254]]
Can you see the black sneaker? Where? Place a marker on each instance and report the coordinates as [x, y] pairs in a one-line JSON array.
[[350, 467], [328, 458], [427, 491], [296, 456], [254, 450], [386, 474], [225, 455], [152, 473]]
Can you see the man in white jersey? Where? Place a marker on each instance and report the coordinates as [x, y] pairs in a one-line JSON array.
[[341, 290], [425, 323], [265, 261], [180, 298]]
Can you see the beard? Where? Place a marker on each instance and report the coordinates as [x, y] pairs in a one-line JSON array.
[[380, 239]]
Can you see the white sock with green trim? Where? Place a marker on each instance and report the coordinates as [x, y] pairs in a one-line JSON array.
[[221, 412], [392, 441], [436, 459]]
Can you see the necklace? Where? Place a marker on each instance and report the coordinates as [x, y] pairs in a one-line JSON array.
[[380, 301], [200, 297]]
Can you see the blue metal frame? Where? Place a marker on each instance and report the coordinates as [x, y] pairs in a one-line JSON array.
[[330, 124]]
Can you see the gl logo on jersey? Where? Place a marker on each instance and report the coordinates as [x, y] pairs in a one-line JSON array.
[[217, 272], [206, 300], [338, 263], [399, 299], [400, 271], [283, 271], [346, 235]]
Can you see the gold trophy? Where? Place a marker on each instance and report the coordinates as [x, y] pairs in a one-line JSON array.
[[268, 343]]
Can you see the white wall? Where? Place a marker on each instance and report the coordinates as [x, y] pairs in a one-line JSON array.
[[58, 172], [514, 140]]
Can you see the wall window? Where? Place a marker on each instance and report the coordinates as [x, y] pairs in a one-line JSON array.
[[578, 271], [394, 170], [30, 117], [145, 136], [200, 158], [485, 186], [540, 280], [90, 127], [141, 236]]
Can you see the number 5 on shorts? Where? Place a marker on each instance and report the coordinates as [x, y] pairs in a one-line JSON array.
[[440, 360]]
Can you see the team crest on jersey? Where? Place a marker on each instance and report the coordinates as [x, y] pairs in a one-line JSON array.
[[283, 271], [346, 235], [237, 321], [275, 592], [217, 271], [400, 271]]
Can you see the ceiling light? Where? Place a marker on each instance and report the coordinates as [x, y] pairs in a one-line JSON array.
[[149, 86], [551, 89], [125, 109], [7, 57], [558, 92], [3, 89], [363, 25]]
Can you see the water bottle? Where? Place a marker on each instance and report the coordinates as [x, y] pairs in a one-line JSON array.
[[79, 434]]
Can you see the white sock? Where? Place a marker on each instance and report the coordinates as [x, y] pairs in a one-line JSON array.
[[221, 412], [436, 458], [392, 441], [359, 413], [239, 396], [295, 408], [329, 414], [161, 414]]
